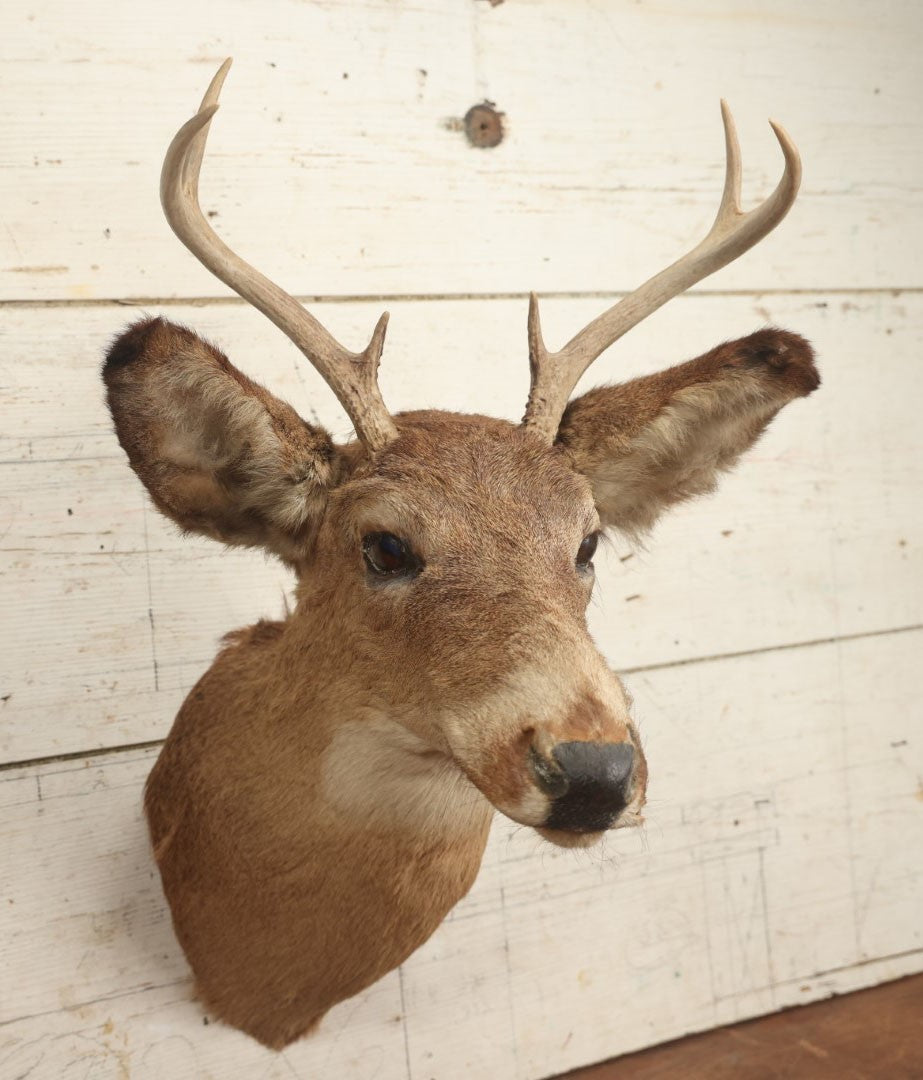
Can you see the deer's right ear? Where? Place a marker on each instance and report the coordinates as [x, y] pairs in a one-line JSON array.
[[218, 453]]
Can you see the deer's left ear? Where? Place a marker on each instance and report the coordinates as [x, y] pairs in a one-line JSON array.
[[660, 439], [218, 453]]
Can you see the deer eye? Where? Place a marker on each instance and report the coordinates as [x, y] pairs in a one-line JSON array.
[[386, 555], [587, 550]]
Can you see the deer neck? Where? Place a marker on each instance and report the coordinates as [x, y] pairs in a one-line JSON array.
[[377, 775], [368, 768]]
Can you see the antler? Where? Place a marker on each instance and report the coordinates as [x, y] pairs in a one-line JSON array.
[[351, 376], [554, 375]]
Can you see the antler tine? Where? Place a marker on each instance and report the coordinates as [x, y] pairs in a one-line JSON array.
[[351, 376], [554, 375]]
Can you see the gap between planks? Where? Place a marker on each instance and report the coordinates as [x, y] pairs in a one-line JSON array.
[[105, 751], [401, 298], [858, 636]]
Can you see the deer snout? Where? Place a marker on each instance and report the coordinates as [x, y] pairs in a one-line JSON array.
[[589, 783]]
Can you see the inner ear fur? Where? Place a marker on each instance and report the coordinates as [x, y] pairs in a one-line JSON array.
[[650, 443], [217, 452]]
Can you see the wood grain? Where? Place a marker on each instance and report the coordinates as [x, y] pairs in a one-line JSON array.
[[772, 871], [337, 164], [813, 537], [872, 1035]]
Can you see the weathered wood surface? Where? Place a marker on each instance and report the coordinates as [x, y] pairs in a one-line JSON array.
[[774, 870], [340, 119], [814, 537], [771, 633]]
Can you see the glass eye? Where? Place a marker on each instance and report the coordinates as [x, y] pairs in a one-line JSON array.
[[587, 550], [386, 555]]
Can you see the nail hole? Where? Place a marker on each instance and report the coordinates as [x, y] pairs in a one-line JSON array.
[[484, 126]]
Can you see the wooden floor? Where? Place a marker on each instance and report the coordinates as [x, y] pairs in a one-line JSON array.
[[868, 1035]]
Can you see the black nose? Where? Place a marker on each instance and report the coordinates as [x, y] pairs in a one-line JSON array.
[[598, 778]]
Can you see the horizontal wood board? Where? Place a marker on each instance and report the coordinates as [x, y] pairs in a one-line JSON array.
[[773, 870], [815, 536], [873, 1033], [342, 119]]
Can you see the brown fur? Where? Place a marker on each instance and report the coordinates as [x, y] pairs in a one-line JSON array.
[[325, 794], [654, 441], [217, 453]]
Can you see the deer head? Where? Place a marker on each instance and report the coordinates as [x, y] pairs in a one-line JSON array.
[[325, 794]]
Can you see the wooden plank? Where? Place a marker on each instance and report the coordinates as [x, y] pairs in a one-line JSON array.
[[779, 865], [817, 535], [338, 167], [873, 1034]]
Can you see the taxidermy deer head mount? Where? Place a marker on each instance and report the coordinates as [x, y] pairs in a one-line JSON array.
[[325, 794]]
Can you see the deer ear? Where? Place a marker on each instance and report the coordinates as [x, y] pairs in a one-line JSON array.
[[657, 440], [218, 453]]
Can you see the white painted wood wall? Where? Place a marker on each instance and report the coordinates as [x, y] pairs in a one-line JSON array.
[[771, 635]]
